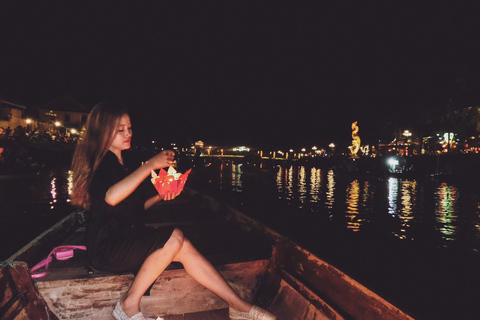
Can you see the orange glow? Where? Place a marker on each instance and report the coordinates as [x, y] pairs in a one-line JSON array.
[[355, 141]]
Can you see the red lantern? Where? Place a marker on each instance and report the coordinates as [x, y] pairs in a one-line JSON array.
[[169, 182]]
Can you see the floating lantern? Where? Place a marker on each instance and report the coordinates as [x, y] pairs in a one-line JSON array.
[[169, 181]]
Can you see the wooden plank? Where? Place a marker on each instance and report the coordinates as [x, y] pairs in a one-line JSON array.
[[174, 317], [174, 292], [208, 315], [221, 314], [6, 285], [290, 304], [310, 297], [84, 298], [21, 300], [340, 291]]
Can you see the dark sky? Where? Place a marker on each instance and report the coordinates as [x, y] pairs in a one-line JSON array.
[[244, 72]]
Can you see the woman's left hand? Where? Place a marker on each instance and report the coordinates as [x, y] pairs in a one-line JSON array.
[[170, 196], [163, 159]]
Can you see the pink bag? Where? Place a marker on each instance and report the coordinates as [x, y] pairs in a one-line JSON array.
[[61, 253]]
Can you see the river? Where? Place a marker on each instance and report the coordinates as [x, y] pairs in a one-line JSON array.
[[415, 242]]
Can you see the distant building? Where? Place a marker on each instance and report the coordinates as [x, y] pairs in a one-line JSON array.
[[63, 115], [11, 113], [64, 112]]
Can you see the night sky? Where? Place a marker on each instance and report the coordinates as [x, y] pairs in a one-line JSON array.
[[267, 74]]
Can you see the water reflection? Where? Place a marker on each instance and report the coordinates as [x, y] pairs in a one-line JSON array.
[[392, 196], [315, 185], [402, 200], [330, 199], [446, 210], [353, 195], [402, 208], [236, 177], [289, 183], [302, 186], [221, 175], [359, 203], [408, 201], [229, 176], [279, 180], [48, 194], [70, 183], [53, 191]]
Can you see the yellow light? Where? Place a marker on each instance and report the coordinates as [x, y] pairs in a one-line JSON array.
[[355, 141], [57, 124], [73, 131], [29, 121]]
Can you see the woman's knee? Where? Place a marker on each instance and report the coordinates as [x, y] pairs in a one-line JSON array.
[[187, 250], [176, 240]]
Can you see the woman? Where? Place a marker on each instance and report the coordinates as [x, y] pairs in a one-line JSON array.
[[117, 240]]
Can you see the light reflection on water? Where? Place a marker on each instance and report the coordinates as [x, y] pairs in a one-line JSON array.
[[406, 214], [446, 210], [30, 205], [302, 186], [360, 201], [330, 194], [315, 184], [353, 194], [53, 191], [402, 206], [402, 199], [43, 193], [236, 177], [70, 183], [229, 176]]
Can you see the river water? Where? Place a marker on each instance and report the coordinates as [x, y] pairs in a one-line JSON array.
[[415, 242]]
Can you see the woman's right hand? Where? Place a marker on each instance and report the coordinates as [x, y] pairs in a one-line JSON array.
[[163, 159]]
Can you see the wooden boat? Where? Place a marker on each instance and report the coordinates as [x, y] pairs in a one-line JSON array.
[[260, 264]]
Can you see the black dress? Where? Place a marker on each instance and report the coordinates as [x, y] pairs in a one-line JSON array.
[[117, 239]]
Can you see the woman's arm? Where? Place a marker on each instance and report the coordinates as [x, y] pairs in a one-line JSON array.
[[122, 189], [150, 202]]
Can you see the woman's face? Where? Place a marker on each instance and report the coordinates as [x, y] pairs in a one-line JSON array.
[[123, 136]]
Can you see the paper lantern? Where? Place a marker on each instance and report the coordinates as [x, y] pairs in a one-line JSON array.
[[169, 181]]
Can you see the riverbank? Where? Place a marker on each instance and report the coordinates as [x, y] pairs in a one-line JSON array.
[[460, 166]]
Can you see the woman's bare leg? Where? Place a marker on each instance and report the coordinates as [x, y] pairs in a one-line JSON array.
[[151, 268], [204, 273], [179, 249]]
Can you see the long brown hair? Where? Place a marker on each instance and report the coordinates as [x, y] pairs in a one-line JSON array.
[[101, 127]]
